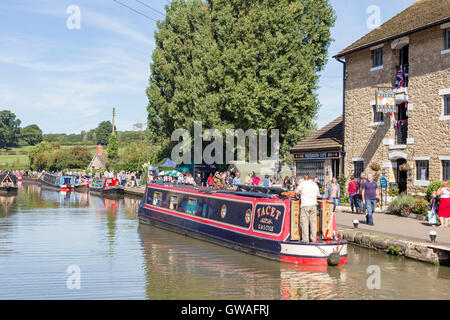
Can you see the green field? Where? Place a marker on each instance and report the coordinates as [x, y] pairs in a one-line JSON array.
[[17, 158]]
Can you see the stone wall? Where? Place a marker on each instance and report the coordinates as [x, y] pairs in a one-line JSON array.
[[428, 136]]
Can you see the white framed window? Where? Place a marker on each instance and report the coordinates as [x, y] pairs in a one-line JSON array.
[[422, 170], [446, 105], [445, 169], [377, 58], [377, 116], [358, 168]]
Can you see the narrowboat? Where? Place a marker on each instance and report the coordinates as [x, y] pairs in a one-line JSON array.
[[8, 184], [81, 183], [52, 181], [257, 220], [107, 187]]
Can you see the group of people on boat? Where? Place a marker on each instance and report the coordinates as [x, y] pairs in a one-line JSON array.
[[217, 180]]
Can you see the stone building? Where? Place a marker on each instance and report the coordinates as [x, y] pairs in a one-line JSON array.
[[408, 56], [99, 160], [320, 153]]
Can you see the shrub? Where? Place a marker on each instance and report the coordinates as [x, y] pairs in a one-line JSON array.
[[402, 204], [393, 192], [433, 186], [421, 206]]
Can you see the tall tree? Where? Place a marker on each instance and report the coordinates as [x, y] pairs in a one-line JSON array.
[[9, 129], [31, 134], [103, 132], [239, 64], [113, 147]]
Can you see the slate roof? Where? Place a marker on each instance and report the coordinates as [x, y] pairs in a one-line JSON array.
[[329, 137], [421, 15]]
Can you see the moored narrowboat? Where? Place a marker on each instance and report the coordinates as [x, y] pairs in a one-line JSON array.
[[260, 221], [107, 187], [57, 183], [8, 184], [81, 183]]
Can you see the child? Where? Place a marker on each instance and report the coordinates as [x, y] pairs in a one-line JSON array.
[[432, 220]]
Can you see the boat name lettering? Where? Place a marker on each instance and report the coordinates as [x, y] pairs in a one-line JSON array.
[[268, 211]]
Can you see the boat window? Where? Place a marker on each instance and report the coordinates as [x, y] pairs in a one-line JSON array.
[[173, 202], [248, 216], [157, 198], [191, 206], [223, 211]]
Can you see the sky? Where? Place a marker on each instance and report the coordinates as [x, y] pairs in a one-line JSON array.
[[64, 64]]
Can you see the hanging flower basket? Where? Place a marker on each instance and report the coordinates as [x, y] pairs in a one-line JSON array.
[[375, 166], [405, 167]]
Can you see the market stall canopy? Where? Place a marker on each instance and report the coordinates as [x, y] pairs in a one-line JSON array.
[[167, 165]]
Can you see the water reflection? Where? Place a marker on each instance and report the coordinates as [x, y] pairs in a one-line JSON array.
[[6, 204], [119, 258]]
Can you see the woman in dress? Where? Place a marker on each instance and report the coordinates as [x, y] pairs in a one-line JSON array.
[[444, 206]]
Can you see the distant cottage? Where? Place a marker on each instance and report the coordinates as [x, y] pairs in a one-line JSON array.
[[99, 160]]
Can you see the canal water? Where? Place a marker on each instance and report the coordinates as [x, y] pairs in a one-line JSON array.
[[76, 246]]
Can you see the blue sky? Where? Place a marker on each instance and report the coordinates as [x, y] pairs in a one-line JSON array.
[[68, 80]]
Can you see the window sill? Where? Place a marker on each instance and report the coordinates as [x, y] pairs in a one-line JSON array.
[[421, 183], [397, 146], [444, 118], [445, 51], [376, 124], [376, 68]]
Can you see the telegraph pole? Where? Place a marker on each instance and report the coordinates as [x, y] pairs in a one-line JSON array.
[[114, 114]]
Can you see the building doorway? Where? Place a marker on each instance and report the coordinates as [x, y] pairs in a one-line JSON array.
[[402, 177], [402, 128]]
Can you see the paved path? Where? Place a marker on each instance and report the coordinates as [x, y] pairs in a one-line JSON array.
[[395, 226]]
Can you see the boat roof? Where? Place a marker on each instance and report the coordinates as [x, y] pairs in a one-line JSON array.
[[242, 190]]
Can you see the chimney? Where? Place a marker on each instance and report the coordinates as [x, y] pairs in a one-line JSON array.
[[100, 149]]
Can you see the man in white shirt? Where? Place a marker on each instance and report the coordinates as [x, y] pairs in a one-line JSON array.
[[308, 191]]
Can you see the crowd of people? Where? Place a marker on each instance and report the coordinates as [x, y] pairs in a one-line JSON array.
[[217, 180]]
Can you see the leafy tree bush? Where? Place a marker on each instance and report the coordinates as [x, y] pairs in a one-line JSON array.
[[433, 186], [393, 192], [402, 204], [9, 129], [421, 206], [113, 147], [31, 134], [235, 66]]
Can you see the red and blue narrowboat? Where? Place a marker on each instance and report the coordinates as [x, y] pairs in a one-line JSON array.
[[257, 220], [107, 187], [55, 182], [81, 183]]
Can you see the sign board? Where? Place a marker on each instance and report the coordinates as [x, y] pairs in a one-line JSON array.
[[383, 182], [323, 155], [385, 101]]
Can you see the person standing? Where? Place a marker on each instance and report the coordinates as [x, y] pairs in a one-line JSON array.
[[287, 183], [138, 178], [333, 192], [210, 180], [370, 193], [309, 192], [360, 183], [266, 182], [444, 206], [237, 179], [198, 179], [352, 193]]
